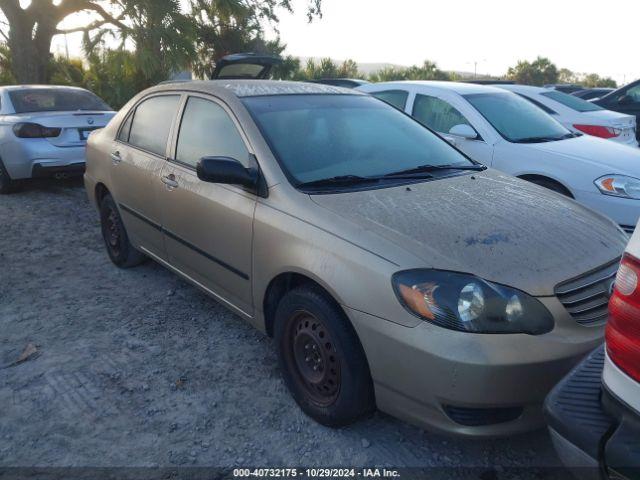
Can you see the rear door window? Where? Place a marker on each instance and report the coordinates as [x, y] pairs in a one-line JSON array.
[[539, 105], [151, 123], [437, 114], [397, 98], [207, 130]]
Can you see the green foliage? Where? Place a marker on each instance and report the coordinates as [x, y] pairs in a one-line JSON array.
[[539, 72], [594, 80], [114, 75], [67, 71], [6, 76], [327, 68], [542, 72], [428, 71]]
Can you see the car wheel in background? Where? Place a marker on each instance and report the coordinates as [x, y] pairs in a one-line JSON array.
[[322, 360], [6, 184], [120, 250], [550, 185]]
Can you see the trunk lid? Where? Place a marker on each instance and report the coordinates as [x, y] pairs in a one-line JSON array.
[[75, 126]]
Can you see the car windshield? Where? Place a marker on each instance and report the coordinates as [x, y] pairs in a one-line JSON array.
[[317, 137], [571, 101], [516, 119], [55, 99]]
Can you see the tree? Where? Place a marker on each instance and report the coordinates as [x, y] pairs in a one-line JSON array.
[[567, 76], [427, 71], [593, 80], [158, 29], [162, 37], [32, 28], [539, 72]]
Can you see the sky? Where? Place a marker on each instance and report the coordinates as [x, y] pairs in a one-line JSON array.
[[460, 35]]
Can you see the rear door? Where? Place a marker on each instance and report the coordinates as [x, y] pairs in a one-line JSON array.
[[208, 227], [137, 159]]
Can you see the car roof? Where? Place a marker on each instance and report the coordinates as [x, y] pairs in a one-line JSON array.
[[457, 87], [524, 88], [253, 88], [35, 87]]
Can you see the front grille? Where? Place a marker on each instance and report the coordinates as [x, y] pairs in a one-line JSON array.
[[586, 297], [477, 417], [628, 228]]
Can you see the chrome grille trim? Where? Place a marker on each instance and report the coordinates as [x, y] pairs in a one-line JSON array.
[[628, 228], [586, 297]]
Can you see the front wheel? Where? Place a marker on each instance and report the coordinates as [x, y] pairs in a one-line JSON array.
[[322, 360], [119, 248]]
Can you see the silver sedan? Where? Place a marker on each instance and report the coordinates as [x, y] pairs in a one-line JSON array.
[[44, 130]]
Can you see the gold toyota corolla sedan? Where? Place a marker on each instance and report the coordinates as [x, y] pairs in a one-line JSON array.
[[391, 270]]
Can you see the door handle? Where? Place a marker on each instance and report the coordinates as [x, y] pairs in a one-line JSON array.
[[115, 157], [169, 181]]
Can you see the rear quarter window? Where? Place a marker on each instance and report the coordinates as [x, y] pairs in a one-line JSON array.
[[397, 98]]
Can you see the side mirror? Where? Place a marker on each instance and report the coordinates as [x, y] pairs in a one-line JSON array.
[[464, 131], [625, 100], [228, 171]]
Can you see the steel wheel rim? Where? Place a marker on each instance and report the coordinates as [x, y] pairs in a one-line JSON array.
[[111, 231], [313, 358]]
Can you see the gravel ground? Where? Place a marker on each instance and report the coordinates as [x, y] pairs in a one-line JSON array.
[[137, 368]]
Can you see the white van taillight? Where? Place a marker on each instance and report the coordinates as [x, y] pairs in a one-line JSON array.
[[623, 327]]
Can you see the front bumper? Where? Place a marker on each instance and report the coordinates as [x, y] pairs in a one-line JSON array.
[[624, 211], [470, 384], [595, 435]]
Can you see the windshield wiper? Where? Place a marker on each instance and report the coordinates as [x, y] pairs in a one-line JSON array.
[[544, 139], [426, 169], [341, 180]]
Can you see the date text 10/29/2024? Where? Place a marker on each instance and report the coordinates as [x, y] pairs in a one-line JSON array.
[[315, 473]]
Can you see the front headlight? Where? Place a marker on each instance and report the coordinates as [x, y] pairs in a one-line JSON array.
[[619, 186], [468, 303]]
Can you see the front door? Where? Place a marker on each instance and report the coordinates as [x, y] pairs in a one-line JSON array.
[[208, 227], [440, 115], [137, 159]]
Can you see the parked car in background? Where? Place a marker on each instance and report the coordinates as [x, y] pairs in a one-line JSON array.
[[579, 115], [342, 82], [564, 87], [44, 129], [623, 100], [391, 269], [509, 133], [594, 413], [592, 93]]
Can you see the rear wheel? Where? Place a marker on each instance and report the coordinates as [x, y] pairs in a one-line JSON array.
[[323, 363], [120, 250], [7, 185]]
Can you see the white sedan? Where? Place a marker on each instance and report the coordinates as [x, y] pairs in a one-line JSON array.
[[579, 115], [44, 131], [509, 133]]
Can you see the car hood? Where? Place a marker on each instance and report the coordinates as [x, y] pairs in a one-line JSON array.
[[492, 225], [615, 157]]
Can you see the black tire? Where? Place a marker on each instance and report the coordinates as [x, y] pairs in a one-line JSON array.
[[120, 250], [7, 185], [312, 331], [551, 185]]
